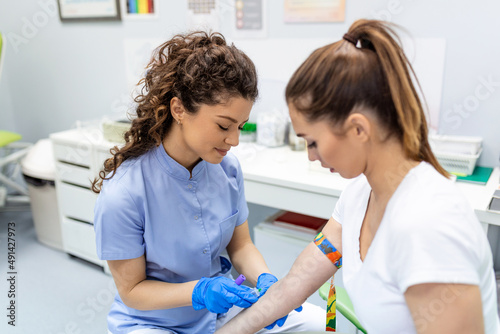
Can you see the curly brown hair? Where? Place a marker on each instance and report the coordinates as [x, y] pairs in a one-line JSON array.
[[198, 68]]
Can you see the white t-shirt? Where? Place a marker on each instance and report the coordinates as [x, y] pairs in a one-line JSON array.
[[429, 234]]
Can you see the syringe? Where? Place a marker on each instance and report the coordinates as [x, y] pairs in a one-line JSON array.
[[241, 279]]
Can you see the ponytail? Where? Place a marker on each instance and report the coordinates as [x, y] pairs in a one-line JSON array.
[[366, 68]]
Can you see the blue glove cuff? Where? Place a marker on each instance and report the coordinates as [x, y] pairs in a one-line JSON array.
[[198, 291]]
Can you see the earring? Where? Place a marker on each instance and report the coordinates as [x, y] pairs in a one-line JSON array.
[[178, 122]]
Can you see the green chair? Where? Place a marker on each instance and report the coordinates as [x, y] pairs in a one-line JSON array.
[[11, 153], [344, 304]]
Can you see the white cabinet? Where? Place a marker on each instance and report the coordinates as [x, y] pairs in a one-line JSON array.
[[79, 156]]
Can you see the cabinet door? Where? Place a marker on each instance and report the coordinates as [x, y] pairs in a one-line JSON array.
[[75, 154], [79, 240], [76, 202], [73, 174]]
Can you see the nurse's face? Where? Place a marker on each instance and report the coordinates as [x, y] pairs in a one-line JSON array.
[[339, 153], [213, 130]]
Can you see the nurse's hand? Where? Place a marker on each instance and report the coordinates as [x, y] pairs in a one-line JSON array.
[[219, 294], [264, 281]]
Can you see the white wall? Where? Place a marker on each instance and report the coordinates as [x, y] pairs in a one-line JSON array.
[[60, 73]]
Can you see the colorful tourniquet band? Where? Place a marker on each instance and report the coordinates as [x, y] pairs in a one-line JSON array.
[[328, 249], [331, 309]]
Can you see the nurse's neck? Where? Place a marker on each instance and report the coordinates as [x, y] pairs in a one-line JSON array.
[[178, 151]]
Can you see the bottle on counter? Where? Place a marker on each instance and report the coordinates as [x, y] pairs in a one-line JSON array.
[[271, 128], [248, 133]]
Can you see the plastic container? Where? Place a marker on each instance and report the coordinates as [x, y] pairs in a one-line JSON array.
[[249, 133], [462, 164], [39, 173], [114, 131], [455, 144], [271, 128]]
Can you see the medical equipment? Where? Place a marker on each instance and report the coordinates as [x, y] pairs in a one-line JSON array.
[[241, 279], [271, 128], [13, 151], [248, 133], [39, 171]]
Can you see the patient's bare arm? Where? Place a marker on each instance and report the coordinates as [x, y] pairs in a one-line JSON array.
[[309, 271]]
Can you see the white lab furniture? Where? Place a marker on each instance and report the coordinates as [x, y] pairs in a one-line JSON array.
[[79, 154], [285, 179], [274, 177]]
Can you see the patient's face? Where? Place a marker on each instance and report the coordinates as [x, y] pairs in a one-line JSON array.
[[339, 153]]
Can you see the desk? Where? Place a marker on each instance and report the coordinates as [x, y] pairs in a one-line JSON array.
[[282, 179], [274, 177]]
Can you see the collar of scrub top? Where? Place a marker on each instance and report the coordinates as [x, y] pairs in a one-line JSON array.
[[175, 169]]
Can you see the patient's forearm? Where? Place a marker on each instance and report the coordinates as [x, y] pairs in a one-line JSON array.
[[311, 269]]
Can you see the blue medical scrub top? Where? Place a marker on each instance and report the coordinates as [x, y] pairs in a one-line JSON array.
[[151, 206]]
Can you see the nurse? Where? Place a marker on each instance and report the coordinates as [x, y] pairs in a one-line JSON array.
[[172, 201], [415, 258]]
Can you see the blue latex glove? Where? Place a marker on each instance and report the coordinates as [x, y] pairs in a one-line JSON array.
[[219, 294], [264, 281], [281, 322]]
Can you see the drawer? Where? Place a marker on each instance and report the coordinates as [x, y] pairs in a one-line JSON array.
[[76, 202], [73, 174], [75, 154], [79, 240]]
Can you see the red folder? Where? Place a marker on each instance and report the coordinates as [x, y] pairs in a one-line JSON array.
[[304, 221]]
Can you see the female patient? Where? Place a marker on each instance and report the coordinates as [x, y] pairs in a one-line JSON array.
[[415, 257]]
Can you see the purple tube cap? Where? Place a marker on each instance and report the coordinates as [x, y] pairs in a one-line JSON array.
[[240, 279]]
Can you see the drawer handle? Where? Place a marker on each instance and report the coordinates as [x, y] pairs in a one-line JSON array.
[[73, 164], [76, 185], [79, 220]]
